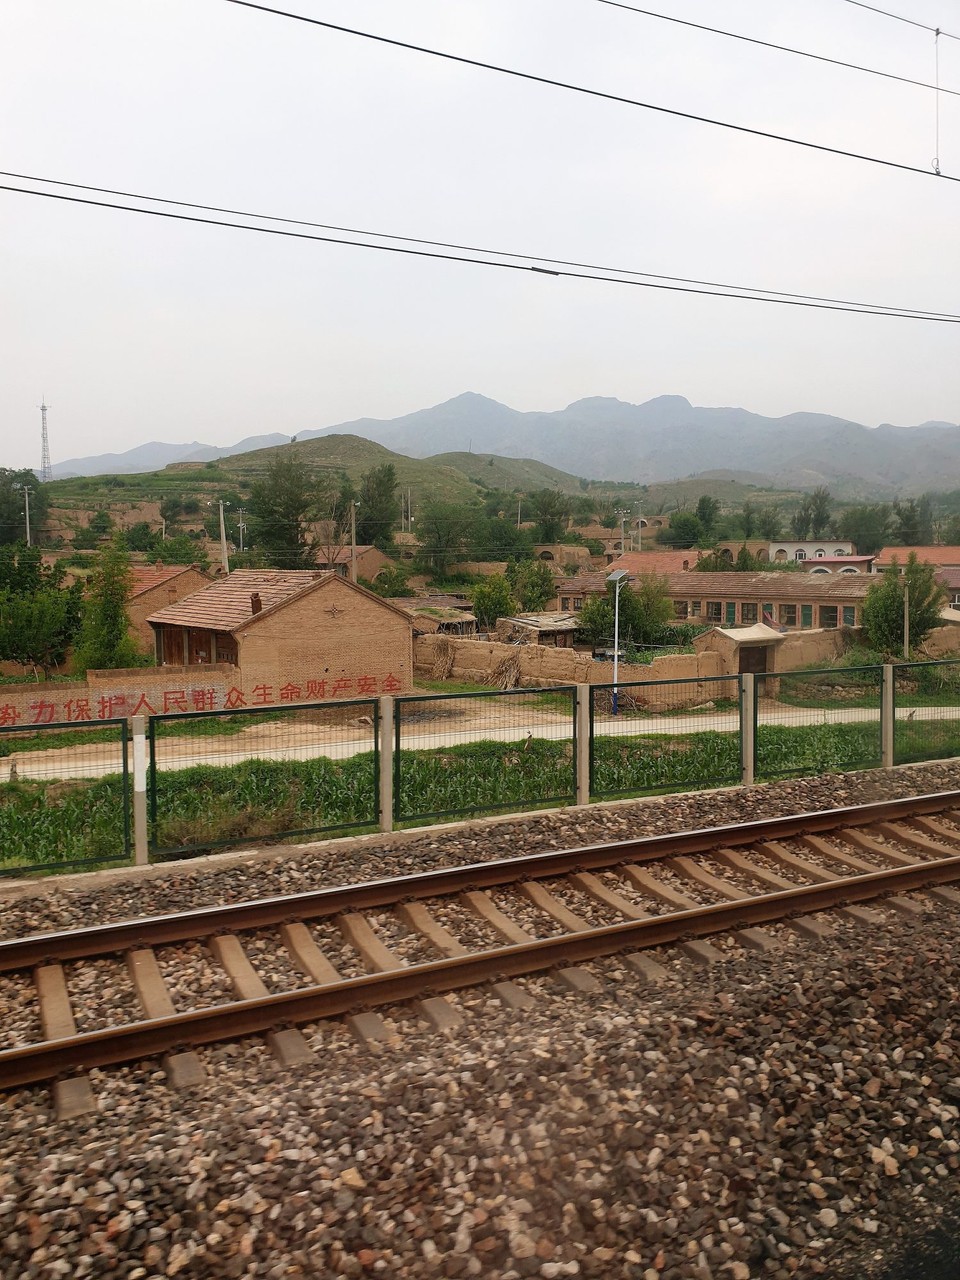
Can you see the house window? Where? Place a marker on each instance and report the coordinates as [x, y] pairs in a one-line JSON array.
[[820, 570], [770, 615], [695, 608], [801, 554], [955, 599], [806, 615], [839, 552], [731, 613], [828, 615], [226, 649], [788, 615], [748, 613], [714, 611], [577, 603], [849, 615], [820, 553], [680, 609]]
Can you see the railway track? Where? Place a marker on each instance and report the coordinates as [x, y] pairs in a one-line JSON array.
[[418, 937]]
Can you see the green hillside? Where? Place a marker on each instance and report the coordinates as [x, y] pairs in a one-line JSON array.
[[511, 474]]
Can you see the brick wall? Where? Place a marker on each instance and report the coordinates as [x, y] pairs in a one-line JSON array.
[[126, 692], [146, 602]]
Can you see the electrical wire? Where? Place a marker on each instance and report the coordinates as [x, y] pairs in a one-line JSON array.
[[731, 292], [466, 248], [769, 44], [898, 17], [597, 93]]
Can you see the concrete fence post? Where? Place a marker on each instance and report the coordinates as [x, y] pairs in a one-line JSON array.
[[140, 845], [386, 763], [887, 716], [748, 727], [583, 744]]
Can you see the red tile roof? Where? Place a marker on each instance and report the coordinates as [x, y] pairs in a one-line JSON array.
[[639, 562], [225, 604], [933, 555], [147, 576]]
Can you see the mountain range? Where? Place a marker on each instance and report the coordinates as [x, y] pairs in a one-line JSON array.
[[602, 438]]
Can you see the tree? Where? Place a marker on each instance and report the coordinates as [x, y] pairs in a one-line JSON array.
[[531, 582], [645, 608], [101, 522], [180, 549], [708, 513], [104, 639], [13, 507], [801, 520], [36, 629], [22, 570], [140, 536], [551, 509], [280, 507], [768, 523], [391, 581], [748, 518], [379, 508], [883, 606], [866, 526], [819, 511], [492, 599], [685, 530], [444, 529], [914, 522], [595, 619]]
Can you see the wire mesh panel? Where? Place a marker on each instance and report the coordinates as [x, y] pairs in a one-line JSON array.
[[224, 778], [64, 796], [818, 721], [651, 736], [926, 698], [485, 752]]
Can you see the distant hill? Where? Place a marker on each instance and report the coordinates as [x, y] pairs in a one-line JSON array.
[[524, 474], [155, 455]]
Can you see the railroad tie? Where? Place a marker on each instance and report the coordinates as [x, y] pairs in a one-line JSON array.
[[289, 1046], [511, 932], [377, 956], [643, 965], [74, 1095], [575, 977], [687, 869], [816, 844], [934, 827], [806, 926], [183, 1069], [695, 948], [419, 918], [368, 1027], [913, 840], [784, 857]]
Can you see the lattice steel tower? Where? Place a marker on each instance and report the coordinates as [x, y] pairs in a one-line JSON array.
[[45, 470]]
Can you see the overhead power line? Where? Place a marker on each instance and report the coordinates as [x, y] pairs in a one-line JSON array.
[[597, 93], [899, 17], [769, 44], [601, 274], [470, 249]]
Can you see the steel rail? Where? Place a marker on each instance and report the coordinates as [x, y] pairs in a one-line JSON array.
[[151, 931], [47, 1060]]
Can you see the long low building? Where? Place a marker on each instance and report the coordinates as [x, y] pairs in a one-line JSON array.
[[791, 601]]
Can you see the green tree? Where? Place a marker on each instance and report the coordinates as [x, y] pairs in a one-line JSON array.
[[180, 549], [883, 605], [768, 523], [551, 509], [104, 639], [820, 503], [708, 513], [801, 520], [531, 582], [391, 581], [645, 609], [595, 619], [101, 522], [748, 518], [492, 599], [866, 526], [379, 508], [22, 570], [445, 530], [140, 536], [685, 530], [280, 507], [13, 506], [37, 629]]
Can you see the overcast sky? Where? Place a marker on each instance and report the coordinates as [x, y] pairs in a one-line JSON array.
[[137, 328]]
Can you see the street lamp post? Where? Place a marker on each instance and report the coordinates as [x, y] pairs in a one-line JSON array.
[[617, 578]]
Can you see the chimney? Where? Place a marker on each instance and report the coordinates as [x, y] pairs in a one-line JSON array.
[[256, 604]]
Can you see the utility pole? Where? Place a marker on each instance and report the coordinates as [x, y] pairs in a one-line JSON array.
[[26, 499], [224, 558], [519, 505], [636, 507], [906, 622], [240, 527], [622, 515], [45, 469], [353, 541]]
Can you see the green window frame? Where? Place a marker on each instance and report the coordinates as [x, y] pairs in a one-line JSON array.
[[731, 613], [849, 615], [806, 615]]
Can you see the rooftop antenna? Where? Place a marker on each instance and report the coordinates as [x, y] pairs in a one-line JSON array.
[[45, 469]]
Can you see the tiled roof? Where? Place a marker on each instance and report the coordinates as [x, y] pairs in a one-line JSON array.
[[655, 561], [225, 604], [431, 602], [147, 576], [950, 577], [934, 555], [772, 586]]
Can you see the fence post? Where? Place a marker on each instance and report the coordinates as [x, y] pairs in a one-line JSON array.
[[140, 851], [748, 727], [887, 716], [386, 763], [584, 743]]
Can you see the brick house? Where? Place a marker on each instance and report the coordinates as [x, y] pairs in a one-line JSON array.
[[294, 636], [154, 587]]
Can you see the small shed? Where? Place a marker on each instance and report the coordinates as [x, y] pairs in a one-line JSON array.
[[431, 619], [554, 629], [743, 650]]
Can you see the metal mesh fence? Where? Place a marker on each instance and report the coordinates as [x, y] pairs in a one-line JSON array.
[[818, 721], [664, 735], [226, 778], [483, 752], [926, 698], [65, 796]]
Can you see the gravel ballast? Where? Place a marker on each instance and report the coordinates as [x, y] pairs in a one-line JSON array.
[[790, 1113]]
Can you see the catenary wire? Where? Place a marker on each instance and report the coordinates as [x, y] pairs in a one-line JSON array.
[[467, 248], [770, 44], [899, 17], [929, 317], [597, 93]]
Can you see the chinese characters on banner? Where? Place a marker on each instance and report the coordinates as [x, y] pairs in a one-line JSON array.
[[91, 706]]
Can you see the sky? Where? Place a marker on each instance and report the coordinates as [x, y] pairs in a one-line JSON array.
[[137, 328]]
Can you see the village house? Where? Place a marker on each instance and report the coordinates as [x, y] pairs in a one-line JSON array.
[[154, 587], [942, 557], [294, 636], [788, 601], [438, 615], [370, 561], [781, 552], [555, 629]]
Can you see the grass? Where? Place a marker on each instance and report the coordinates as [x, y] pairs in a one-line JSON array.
[[53, 824]]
